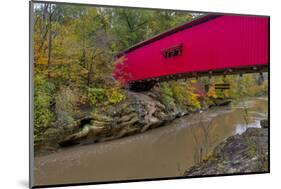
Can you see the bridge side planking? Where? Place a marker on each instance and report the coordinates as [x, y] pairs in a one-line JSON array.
[[211, 45]]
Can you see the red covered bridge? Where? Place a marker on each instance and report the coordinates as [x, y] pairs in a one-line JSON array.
[[210, 45]]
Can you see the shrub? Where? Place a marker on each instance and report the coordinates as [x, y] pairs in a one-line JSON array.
[[102, 96], [42, 104], [114, 96], [167, 94], [96, 95], [42, 113], [66, 100], [191, 96], [179, 93]]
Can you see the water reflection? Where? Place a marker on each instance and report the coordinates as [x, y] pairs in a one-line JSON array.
[[241, 128]]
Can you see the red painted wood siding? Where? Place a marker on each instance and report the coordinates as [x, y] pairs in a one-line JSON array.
[[226, 41]]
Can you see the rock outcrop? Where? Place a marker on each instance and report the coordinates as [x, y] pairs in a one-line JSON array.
[[138, 113], [244, 153]]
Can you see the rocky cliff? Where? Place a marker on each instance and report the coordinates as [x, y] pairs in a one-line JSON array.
[[246, 153]]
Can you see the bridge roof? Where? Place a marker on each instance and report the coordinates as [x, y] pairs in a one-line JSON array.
[[190, 24]]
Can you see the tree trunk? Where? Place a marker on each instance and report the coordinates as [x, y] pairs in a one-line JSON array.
[[89, 74], [50, 41]]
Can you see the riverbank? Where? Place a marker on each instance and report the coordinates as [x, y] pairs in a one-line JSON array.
[[245, 153], [165, 151], [139, 112]]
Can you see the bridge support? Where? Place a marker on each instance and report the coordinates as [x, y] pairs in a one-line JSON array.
[[145, 85], [139, 86]]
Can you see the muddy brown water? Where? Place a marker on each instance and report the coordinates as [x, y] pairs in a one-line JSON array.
[[162, 152]]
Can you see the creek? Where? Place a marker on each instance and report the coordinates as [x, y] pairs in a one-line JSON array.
[[158, 153]]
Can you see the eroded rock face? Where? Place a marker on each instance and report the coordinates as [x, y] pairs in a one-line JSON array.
[[264, 123], [138, 113], [238, 154]]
